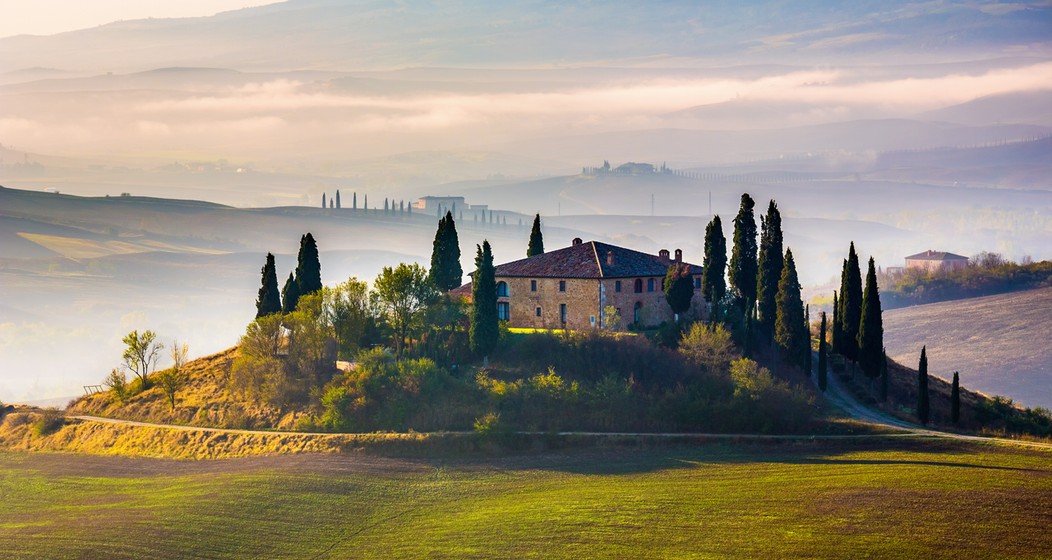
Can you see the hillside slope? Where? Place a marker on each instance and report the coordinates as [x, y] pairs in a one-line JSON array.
[[1000, 344]]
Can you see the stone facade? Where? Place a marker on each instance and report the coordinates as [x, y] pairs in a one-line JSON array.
[[573, 290], [936, 261]]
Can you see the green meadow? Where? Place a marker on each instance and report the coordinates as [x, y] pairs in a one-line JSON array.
[[794, 500]]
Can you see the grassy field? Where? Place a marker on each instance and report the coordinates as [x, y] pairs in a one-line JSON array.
[[815, 500]]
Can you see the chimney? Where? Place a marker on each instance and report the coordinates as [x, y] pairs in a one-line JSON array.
[[663, 254], [577, 241], [679, 255], [609, 258]]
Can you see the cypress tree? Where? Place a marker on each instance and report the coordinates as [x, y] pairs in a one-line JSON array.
[[385, 206], [409, 209], [922, 387], [822, 358], [955, 399], [713, 279], [337, 198], [743, 257], [331, 205], [536, 246], [354, 200], [851, 305], [806, 333], [484, 332], [446, 272], [366, 205], [871, 326], [268, 301], [884, 375], [323, 200], [308, 269], [769, 268], [789, 315], [290, 295], [834, 329], [838, 339]]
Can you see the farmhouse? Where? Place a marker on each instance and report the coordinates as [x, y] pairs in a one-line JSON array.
[[936, 261], [574, 287]]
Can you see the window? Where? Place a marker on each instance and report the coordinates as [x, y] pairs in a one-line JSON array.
[[533, 285], [617, 285], [562, 285], [502, 289], [591, 320], [562, 313], [650, 284], [637, 312], [503, 310], [639, 286], [538, 311], [697, 283]]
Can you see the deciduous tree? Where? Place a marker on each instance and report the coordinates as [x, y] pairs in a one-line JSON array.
[[679, 287], [174, 378], [140, 354], [403, 292]]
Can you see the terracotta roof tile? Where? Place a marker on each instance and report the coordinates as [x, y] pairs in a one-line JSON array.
[[930, 255], [589, 260]]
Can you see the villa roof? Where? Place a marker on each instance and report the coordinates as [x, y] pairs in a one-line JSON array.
[[930, 255], [591, 259]]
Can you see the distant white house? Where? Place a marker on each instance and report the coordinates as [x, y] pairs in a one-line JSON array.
[[935, 261]]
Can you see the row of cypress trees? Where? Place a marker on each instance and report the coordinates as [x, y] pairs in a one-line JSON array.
[[764, 284], [306, 279], [858, 326]]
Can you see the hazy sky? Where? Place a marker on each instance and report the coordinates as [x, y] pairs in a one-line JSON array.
[[47, 17]]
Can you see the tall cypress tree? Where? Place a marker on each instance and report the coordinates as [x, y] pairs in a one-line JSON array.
[[834, 329], [838, 333], [769, 267], [955, 399], [743, 256], [354, 200], [366, 204], [871, 326], [308, 269], [337, 198], [806, 333], [268, 301], [484, 332], [789, 315], [884, 375], [323, 200], [713, 278], [922, 387], [823, 359], [446, 272], [536, 246], [851, 305], [290, 295]]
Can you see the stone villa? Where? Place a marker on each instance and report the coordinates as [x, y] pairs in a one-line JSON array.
[[572, 287], [935, 261]]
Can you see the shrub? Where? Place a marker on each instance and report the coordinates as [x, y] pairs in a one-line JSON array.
[[48, 422], [711, 347], [489, 423], [118, 383]]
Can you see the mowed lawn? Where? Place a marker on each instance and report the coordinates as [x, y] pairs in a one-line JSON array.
[[814, 500]]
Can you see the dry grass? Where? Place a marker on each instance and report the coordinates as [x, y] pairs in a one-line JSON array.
[[206, 401]]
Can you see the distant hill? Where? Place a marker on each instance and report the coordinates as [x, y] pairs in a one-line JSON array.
[[322, 34], [1001, 345], [1034, 107]]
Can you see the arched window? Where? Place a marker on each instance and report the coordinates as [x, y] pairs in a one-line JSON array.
[[650, 284], [637, 312], [502, 289], [639, 285]]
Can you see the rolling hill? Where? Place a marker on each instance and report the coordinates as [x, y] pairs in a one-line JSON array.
[[1001, 345]]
